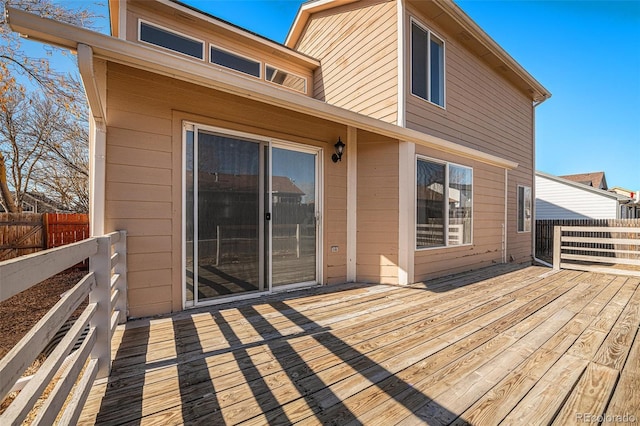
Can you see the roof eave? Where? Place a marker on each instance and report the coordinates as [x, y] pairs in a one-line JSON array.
[[539, 92], [302, 17], [583, 187], [149, 59]]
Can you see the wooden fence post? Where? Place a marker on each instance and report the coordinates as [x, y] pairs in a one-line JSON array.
[[121, 270], [557, 243], [100, 265]]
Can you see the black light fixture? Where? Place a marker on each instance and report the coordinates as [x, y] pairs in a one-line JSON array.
[[339, 150]]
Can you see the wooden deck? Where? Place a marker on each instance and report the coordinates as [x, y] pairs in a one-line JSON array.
[[518, 346]]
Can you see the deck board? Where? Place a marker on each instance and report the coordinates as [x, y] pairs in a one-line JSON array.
[[476, 348]]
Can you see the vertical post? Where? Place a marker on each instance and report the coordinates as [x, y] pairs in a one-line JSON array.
[[298, 240], [100, 265], [557, 243], [504, 251], [45, 231], [217, 245], [121, 270]]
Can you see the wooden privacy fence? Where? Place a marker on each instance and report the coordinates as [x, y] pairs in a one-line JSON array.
[[67, 375], [545, 228], [26, 233], [599, 249]]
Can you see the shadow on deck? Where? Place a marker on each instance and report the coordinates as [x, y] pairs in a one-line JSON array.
[[525, 346]]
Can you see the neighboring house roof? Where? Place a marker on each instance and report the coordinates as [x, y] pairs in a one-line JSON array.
[[575, 184], [224, 182], [40, 202], [594, 179], [284, 185], [468, 32], [90, 43]]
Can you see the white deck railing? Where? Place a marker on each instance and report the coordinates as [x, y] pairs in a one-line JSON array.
[[598, 249], [105, 285]]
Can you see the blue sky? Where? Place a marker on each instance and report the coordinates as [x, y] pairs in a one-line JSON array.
[[587, 53]]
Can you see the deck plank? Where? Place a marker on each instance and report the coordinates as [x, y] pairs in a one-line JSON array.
[[540, 405], [626, 396], [614, 350], [481, 348], [590, 395]]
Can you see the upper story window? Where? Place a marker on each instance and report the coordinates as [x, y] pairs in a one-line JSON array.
[[171, 40], [234, 62], [443, 204], [286, 79], [427, 65]]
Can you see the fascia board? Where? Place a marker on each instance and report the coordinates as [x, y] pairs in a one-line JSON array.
[[149, 59], [479, 34]]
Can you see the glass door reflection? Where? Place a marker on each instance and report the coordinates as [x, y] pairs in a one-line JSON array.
[[229, 194], [293, 208]]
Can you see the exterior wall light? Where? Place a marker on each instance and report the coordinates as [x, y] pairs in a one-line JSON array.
[[339, 150]]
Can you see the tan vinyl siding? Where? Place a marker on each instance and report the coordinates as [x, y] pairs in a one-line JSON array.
[[144, 174], [487, 219], [357, 46], [377, 235], [483, 111], [165, 17]]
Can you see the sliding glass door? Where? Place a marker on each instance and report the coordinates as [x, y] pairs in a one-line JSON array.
[[293, 198], [251, 209]]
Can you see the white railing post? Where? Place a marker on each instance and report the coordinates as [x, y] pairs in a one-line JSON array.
[[557, 244], [298, 241], [121, 270], [217, 245], [100, 265]]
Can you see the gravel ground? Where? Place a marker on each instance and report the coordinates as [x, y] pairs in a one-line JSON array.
[[21, 312]]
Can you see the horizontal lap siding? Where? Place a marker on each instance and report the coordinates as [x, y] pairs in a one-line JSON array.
[[335, 229], [144, 172], [483, 111], [487, 219], [357, 46], [165, 17], [377, 200], [555, 200]]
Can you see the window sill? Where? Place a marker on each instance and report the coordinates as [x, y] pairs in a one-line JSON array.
[[443, 247]]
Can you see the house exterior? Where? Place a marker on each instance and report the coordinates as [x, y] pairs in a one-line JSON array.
[[217, 149], [35, 202], [560, 198], [594, 179], [631, 209]]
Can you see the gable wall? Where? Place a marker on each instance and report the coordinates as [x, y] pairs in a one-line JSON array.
[[483, 111], [357, 47]]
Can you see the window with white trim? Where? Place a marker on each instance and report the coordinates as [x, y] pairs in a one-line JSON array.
[[443, 204], [427, 65], [285, 78], [170, 40], [234, 61], [524, 209]]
